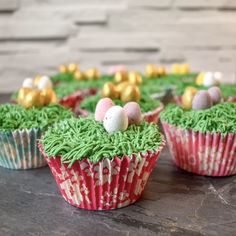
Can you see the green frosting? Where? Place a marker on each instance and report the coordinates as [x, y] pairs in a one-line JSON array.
[[76, 139], [220, 118], [146, 103], [14, 117]]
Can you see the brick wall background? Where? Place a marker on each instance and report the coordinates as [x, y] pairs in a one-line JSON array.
[[38, 35]]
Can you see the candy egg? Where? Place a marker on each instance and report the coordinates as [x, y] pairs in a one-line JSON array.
[[135, 78], [200, 78], [28, 83], [201, 100], [92, 74], [209, 80], [45, 82], [218, 76], [72, 67], [31, 99], [48, 96], [120, 87], [115, 119], [109, 90], [215, 94], [22, 94], [151, 71], [130, 93], [187, 97], [133, 112], [37, 78], [175, 69], [184, 69], [120, 77], [161, 70], [63, 69], [78, 75], [101, 108]]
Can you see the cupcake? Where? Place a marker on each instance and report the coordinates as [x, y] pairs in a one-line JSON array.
[[202, 140], [20, 129], [105, 163]]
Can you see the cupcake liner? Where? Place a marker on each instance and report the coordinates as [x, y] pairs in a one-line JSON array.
[[72, 101], [153, 116], [106, 185], [210, 154], [18, 149]]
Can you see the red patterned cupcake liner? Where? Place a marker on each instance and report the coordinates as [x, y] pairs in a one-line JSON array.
[[106, 185], [210, 154], [72, 101], [153, 116]]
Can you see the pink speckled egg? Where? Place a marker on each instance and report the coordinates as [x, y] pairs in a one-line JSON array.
[[115, 119], [215, 94], [101, 108], [133, 112], [201, 100]]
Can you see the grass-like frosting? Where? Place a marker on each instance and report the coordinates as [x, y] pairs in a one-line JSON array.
[[14, 117], [146, 103], [220, 118], [76, 139]]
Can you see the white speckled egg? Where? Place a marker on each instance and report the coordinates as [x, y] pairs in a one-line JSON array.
[[45, 82], [215, 94], [28, 83], [101, 108], [115, 119], [133, 112], [201, 100], [209, 80]]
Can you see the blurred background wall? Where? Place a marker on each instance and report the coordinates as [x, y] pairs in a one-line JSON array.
[[36, 36]]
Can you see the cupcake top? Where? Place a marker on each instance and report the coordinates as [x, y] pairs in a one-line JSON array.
[[76, 139], [220, 118], [146, 103], [14, 117]]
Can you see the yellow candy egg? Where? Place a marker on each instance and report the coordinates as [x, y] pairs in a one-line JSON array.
[[130, 93], [92, 74], [109, 90], [175, 69], [47, 95], [161, 70], [200, 78], [135, 78], [184, 69], [187, 97], [78, 75], [120, 77], [22, 94], [31, 99], [72, 67], [120, 87], [151, 71], [63, 69]]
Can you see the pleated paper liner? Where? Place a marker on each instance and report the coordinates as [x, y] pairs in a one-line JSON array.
[[106, 185], [153, 116], [211, 154], [19, 150], [72, 101]]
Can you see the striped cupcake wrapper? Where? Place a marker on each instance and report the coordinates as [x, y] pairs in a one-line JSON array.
[[211, 154], [19, 150]]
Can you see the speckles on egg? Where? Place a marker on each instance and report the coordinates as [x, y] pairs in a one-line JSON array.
[[133, 112], [115, 119], [45, 82], [201, 100], [101, 108], [28, 83]]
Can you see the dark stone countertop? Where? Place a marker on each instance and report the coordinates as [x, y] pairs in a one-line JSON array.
[[174, 203]]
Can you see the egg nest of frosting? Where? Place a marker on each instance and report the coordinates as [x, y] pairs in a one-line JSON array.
[[220, 118], [14, 117], [76, 139], [146, 103]]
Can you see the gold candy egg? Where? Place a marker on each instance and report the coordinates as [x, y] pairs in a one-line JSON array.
[[92, 74], [120, 77], [135, 78], [22, 94], [175, 69], [47, 95], [130, 93], [120, 87], [109, 90], [184, 69], [187, 97], [72, 67], [37, 78], [78, 75], [63, 69], [200, 78], [151, 71], [31, 99], [161, 70]]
